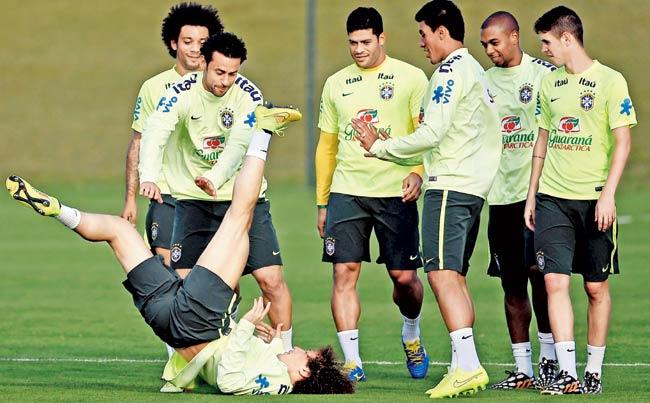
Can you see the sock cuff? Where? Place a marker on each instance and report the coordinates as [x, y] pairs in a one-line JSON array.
[[289, 330], [596, 348], [565, 344], [545, 337], [525, 344], [410, 321], [352, 332]]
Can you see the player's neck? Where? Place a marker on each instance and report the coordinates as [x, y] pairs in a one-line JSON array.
[[516, 60], [578, 62], [182, 70], [452, 46]]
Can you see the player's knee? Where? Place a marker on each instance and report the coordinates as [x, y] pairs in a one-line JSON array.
[[404, 278], [556, 283], [515, 289], [597, 291], [271, 281]]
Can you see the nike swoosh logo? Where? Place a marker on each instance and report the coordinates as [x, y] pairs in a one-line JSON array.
[[275, 253], [428, 260], [466, 337], [458, 384], [413, 257], [554, 99], [606, 269], [570, 350], [354, 338], [345, 94], [195, 117]]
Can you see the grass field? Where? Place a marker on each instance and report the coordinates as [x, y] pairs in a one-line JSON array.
[[65, 310]]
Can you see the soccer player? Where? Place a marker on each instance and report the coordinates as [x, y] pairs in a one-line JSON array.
[[579, 156], [194, 315], [461, 155], [184, 30], [514, 83], [356, 194], [202, 125]]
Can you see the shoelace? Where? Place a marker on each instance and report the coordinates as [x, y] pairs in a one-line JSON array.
[[414, 354]]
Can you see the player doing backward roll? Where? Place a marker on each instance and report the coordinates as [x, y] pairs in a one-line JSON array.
[[194, 315]]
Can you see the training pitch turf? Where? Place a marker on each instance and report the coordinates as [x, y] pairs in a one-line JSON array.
[[70, 332]]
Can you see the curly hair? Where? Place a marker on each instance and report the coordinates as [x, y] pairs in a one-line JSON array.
[[326, 377], [188, 14], [225, 43]]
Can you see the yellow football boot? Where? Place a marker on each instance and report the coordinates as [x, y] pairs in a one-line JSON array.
[[27, 195], [460, 382]]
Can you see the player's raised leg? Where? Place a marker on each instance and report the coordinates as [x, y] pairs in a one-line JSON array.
[[126, 242]]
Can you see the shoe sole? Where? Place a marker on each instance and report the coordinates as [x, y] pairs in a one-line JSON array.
[[29, 199], [467, 392]]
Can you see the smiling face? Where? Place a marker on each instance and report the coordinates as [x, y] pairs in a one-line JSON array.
[[220, 73], [366, 48], [188, 47], [432, 42], [500, 46]]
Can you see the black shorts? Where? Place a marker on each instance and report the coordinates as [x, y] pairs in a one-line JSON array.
[[351, 219], [160, 223], [512, 244], [197, 221], [182, 313], [450, 223], [567, 239]]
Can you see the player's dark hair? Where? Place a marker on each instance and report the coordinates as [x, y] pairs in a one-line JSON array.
[[501, 16], [188, 14], [558, 20], [326, 377], [225, 43], [437, 13], [365, 18]]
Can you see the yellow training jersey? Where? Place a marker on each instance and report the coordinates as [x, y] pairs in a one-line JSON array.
[[150, 92], [456, 138], [515, 90], [389, 97], [579, 111], [210, 136]]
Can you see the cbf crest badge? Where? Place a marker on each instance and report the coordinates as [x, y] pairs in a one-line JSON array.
[[227, 118], [330, 248], [176, 253], [541, 262], [525, 93], [587, 100], [154, 231], [386, 91]]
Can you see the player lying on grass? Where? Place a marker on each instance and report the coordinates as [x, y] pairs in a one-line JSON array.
[[193, 315]]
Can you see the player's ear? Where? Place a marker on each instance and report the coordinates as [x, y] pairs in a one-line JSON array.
[[566, 38], [514, 36], [382, 38], [174, 44]]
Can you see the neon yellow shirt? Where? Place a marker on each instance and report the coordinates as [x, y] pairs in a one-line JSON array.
[[456, 138], [579, 111], [211, 136], [515, 93], [389, 96], [239, 363], [150, 92]]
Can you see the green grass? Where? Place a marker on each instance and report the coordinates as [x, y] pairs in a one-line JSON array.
[[62, 299], [72, 69]]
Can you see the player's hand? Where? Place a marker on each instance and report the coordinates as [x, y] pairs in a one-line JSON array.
[[411, 187], [257, 312], [267, 332], [206, 185], [529, 213], [605, 212], [130, 211], [366, 133], [151, 190], [320, 221]]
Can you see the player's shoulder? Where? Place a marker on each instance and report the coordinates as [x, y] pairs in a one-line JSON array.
[[540, 66], [161, 79], [555, 77], [609, 73], [403, 66], [344, 75], [246, 89]]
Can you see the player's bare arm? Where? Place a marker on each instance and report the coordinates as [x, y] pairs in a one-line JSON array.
[[539, 153], [606, 205], [130, 210]]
